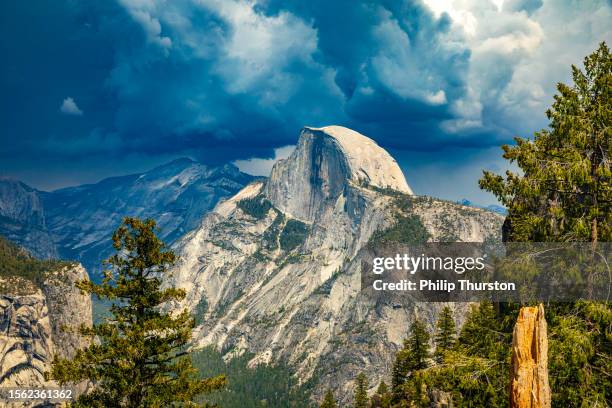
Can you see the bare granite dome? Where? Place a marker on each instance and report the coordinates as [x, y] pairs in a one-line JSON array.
[[276, 269], [368, 161], [325, 162]]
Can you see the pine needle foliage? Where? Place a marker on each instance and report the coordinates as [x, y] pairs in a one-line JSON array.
[[565, 190], [446, 333], [136, 357], [328, 400], [360, 399]]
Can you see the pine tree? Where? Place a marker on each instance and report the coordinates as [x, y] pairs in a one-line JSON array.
[[414, 356], [445, 336], [483, 334], [418, 345], [361, 392], [415, 391], [328, 400], [565, 194], [565, 190], [382, 398], [138, 358], [399, 373]]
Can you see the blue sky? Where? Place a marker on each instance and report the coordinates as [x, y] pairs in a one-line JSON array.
[[94, 89]]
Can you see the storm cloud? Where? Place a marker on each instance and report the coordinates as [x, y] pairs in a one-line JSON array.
[[227, 80]]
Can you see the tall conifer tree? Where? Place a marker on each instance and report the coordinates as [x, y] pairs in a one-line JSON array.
[[414, 356], [565, 190], [564, 193], [137, 358], [418, 346], [446, 333], [328, 400], [361, 392], [382, 398]]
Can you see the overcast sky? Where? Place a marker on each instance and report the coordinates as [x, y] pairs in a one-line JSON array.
[[101, 88]]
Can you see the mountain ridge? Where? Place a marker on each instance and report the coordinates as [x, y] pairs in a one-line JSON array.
[[77, 222], [275, 270]]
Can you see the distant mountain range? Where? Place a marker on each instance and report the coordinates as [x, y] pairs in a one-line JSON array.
[[493, 207], [77, 222]]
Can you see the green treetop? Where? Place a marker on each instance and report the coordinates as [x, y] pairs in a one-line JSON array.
[[446, 333], [328, 400], [563, 192], [138, 358], [418, 345], [382, 398], [414, 356], [361, 392]]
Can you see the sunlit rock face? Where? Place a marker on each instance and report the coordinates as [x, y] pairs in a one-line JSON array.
[[40, 322], [323, 166], [275, 270]]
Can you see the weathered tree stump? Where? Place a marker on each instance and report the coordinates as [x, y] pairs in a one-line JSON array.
[[529, 387]]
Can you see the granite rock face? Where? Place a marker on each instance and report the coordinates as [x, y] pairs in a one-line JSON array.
[[25, 340], [323, 165], [275, 270], [68, 308], [38, 323]]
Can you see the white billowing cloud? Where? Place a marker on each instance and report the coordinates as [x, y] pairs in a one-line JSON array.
[[436, 98], [239, 52], [69, 107], [490, 71], [252, 52], [461, 16], [402, 68], [259, 48], [519, 50], [262, 167], [568, 36], [143, 12]]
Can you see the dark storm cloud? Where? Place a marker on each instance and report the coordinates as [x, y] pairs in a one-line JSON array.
[[88, 83], [196, 77]]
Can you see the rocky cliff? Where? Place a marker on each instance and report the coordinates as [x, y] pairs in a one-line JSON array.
[[39, 315], [22, 218], [275, 270]]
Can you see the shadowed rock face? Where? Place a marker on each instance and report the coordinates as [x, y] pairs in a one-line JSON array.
[[22, 218], [302, 304], [36, 324]]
